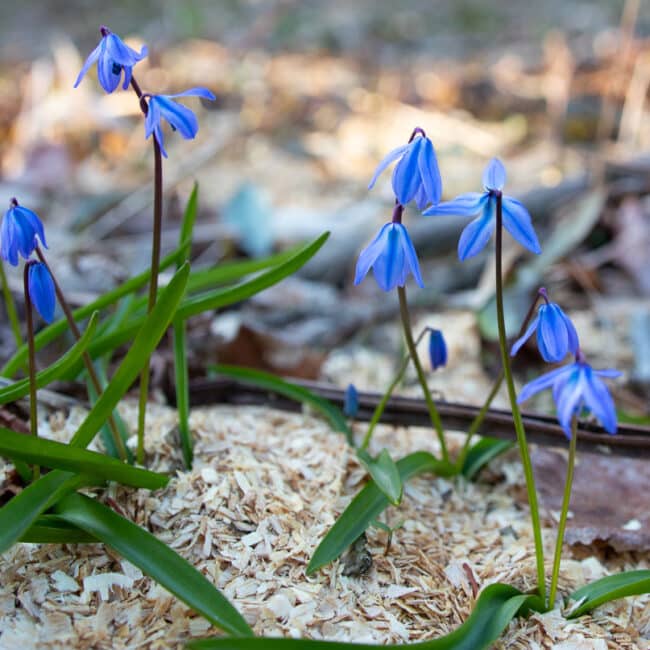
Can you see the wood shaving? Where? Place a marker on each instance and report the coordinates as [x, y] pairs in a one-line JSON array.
[[265, 488]]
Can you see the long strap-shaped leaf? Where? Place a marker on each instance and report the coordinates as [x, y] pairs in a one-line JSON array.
[[496, 606], [193, 305], [144, 344], [50, 529], [49, 453], [154, 558], [367, 505], [266, 380], [22, 511], [57, 369], [17, 516], [628, 583]]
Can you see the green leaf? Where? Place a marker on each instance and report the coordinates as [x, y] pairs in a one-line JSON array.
[[187, 226], [145, 342], [181, 375], [49, 529], [217, 298], [273, 383], [368, 504], [154, 558], [57, 369], [628, 583], [50, 453], [53, 331], [496, 606], [482, 453], [18, 515], [107, 434], [384, 473]]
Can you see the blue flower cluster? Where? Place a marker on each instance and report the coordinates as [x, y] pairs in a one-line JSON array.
[[116, 59], [20, 233]]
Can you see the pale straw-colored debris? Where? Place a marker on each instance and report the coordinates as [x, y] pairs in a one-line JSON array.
[[265, 488]]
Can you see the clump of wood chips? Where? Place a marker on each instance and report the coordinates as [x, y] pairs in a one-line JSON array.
[[265, 488]]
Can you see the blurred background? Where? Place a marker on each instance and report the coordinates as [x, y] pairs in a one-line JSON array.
[[310, 96]]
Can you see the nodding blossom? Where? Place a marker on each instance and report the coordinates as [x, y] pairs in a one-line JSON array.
[[20, 232], [577, 387], [482, 206], [113, 57], [351, 401], [392, 257], [556, 335], [179, 117], [416, 175], [40, 287]]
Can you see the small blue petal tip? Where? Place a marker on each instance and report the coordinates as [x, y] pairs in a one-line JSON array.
[[41, 290], [437, 349], [351, 401]]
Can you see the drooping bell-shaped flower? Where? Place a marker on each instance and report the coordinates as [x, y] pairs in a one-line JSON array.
[[41, 290], [437, 349], [482, 206], [391, 256], [577, 387], [113, 57], [556, 335], [179, 117], [416, 175], [20, 233]]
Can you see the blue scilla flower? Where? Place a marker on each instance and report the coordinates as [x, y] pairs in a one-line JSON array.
[[437, 349], [556, 335], [41, 290], [180, 118], [477, 233], [416, 175], [392, 257], [351, 401], [113, 57], [577, 387], [19, 232]]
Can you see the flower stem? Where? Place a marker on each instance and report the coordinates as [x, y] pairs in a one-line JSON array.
[[33, 406], [10, 306], [480, 416], [153, 289], [88, 362], [516, 414], [565, 511], [410, 344], [379, 410]]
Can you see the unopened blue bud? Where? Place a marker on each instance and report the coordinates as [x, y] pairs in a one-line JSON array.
[[41, 290], [351, 401], [437, 349]]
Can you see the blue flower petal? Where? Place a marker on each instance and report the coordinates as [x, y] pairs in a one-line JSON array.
[[476, 235], [370, 253], [94, 55], [106, 74], [179, 116], [421, 199], [429, 172], [34, 222], [522, 339], [494, 176], [465, 205], [569, 400], [517, 222], [599, 401], [552, 335], [574, 342], [406, 176], [390, 268], [542, 383], [41, 290], [411, 257], [388, 159], [609, 373], [199, 91]]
